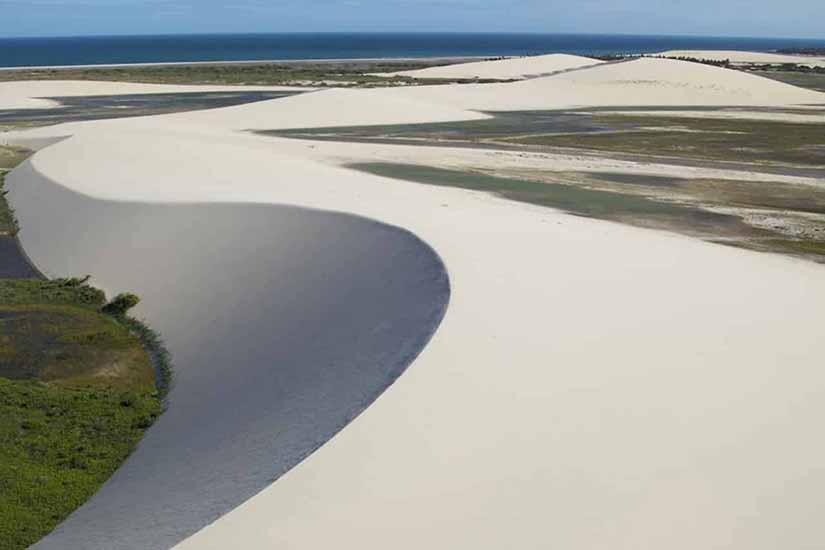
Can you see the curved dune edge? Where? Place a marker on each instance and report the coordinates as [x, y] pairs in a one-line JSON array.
[[591, 385], [284, 325]]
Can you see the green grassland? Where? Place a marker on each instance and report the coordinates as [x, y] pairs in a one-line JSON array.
[[739, 140], [77, 392]]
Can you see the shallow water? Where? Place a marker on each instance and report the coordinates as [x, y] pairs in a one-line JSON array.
[[74, 109], [13, 262], [284, 324]]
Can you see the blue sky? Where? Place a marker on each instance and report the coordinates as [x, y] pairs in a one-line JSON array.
[[790, 18]]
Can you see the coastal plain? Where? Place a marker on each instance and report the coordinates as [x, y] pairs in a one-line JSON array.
[[382, 348]]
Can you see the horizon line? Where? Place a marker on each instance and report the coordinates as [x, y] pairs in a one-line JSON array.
[[469, 33]]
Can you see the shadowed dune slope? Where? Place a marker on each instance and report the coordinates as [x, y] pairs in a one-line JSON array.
[[284, 324]]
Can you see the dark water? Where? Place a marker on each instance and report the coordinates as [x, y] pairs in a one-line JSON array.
[[74, 109], [278, 342], [22, 52], [13, 262]]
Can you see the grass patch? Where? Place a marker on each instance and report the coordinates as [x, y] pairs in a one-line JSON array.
[[751, 141], [609, 205], [800, 247], [811, 81], [77, 391], [57, 446], [646, 202], [8, 223], [9, 158], [74, 292]]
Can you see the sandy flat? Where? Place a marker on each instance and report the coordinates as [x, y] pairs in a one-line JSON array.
[[35, 94], [592, 385], [748, 58], [504, 69]]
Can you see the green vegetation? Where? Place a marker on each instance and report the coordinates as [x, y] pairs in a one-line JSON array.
[[714, 210], [739, 140], [609, 205], [57, 446], [809, 80], [9, 158], [8, 224], [77, 391]]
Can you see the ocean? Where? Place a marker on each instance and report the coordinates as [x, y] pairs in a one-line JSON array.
[[96, 50]]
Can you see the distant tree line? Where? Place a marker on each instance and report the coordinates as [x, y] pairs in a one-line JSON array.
[[727, 64]]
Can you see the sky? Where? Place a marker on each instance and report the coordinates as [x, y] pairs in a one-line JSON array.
[[761, 18]]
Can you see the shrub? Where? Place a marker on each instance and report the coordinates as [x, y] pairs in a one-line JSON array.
[[120, 304]]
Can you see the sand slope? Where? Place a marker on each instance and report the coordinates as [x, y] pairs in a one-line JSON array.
[[278, 343], [504, 69], [748, 57]]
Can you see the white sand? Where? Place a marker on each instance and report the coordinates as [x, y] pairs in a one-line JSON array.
[[592, 386], [748, 58], [34, 94], [504, 69], [640, 82]]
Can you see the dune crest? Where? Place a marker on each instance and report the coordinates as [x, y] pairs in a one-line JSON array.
[[504, 69]]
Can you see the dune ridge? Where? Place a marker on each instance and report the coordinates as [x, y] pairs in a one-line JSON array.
[[504, 69]]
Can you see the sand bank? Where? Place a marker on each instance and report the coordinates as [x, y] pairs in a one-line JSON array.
[[592, 385]]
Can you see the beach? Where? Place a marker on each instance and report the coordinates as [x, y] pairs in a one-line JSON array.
[[590, 385]]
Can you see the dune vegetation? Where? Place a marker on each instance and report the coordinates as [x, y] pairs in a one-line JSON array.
[[77, 392]]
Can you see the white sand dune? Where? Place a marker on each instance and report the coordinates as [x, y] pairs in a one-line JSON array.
[[337, 107], [642, 82], [748, 58], [592, 385], [35, 94], [504, 69]]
